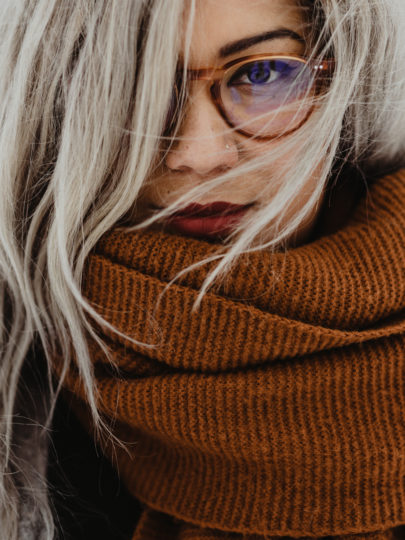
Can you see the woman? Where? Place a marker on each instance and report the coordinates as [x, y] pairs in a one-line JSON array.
[[202, 235]]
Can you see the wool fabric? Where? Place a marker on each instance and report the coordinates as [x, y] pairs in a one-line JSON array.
[[277, 407]]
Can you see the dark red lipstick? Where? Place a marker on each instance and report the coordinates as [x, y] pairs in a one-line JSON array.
[[214, 220]]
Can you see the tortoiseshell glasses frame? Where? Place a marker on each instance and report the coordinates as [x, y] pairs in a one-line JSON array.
[[319, 77]]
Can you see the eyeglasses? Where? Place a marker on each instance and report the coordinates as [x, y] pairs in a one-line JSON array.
[[262, 96]]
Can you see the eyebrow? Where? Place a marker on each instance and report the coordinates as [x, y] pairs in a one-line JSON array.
[[241, 44]]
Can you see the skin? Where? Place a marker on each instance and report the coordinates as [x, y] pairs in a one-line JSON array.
[[207, 148]]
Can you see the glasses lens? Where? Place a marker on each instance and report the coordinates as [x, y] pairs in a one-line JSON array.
[[269, 96]]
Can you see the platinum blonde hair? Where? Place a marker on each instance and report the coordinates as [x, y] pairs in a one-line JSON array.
[[84, 88]]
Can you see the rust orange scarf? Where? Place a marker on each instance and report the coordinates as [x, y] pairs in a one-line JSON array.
[[277, 409]]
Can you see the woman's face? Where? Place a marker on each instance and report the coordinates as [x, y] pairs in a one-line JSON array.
[[225, 31]]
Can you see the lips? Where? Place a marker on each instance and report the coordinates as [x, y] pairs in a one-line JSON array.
[[214, 220]]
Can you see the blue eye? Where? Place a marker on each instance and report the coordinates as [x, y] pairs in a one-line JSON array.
[[261, 72]]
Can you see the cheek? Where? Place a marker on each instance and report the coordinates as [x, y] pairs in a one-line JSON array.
[[252, 149], [303, 195], [264, 179], [267, 183]]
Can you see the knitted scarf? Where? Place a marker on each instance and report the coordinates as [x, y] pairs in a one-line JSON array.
[[275, 409]]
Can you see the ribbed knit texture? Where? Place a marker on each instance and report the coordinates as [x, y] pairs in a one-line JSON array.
[[278, 407]]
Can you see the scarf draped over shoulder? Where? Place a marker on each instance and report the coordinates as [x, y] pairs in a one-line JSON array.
[[275, 409]]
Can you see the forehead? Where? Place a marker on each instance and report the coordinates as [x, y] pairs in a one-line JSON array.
[[220, 22]]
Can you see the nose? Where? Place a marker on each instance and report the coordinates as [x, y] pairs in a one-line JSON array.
[[205, 146]]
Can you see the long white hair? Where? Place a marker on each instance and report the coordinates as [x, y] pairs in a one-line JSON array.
[[84, 92]]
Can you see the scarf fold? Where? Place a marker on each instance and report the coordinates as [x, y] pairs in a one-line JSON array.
[[275, 409]]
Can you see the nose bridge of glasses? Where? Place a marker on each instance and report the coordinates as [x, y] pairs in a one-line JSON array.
[[205, 74], [183, 101], [209, 75]]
